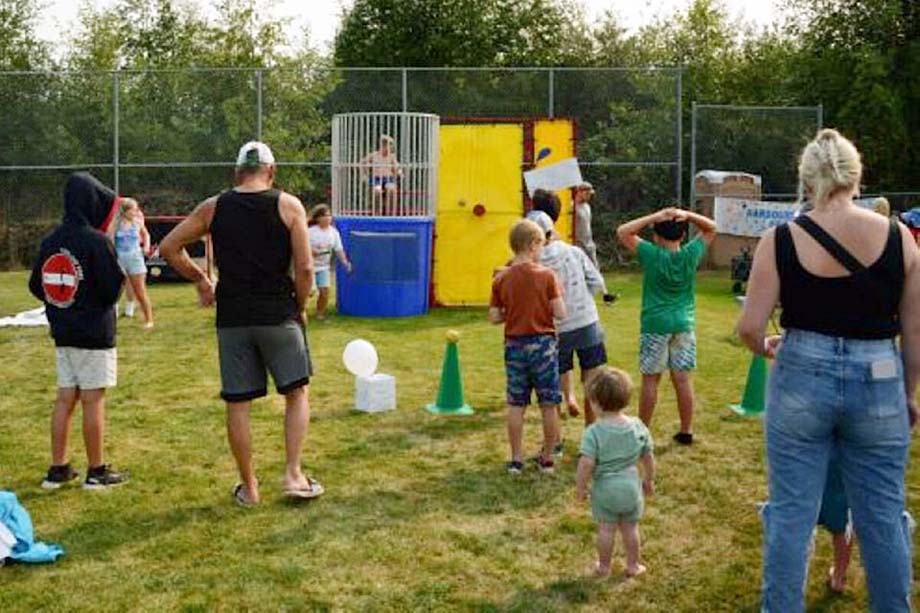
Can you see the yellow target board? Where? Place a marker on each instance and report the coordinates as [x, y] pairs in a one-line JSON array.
[[481, 195]]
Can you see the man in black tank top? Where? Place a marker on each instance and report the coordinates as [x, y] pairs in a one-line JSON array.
[[259, 234]]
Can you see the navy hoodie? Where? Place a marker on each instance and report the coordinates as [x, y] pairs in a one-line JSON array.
[[77, 274]]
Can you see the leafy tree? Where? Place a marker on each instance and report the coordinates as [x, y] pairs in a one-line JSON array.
[[861, 59], [461, 33]]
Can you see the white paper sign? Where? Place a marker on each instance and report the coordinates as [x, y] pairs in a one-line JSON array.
[[554, 177], [750, 217]]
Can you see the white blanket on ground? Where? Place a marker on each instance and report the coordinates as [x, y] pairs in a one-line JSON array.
[[30, 318]]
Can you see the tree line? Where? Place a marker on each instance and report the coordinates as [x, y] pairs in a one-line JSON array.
[[857, 58]]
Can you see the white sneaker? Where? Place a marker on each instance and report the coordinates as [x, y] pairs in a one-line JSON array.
[[129, 308]]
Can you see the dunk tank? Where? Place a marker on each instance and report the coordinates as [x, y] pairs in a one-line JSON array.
[[384, 210], [428, 223]]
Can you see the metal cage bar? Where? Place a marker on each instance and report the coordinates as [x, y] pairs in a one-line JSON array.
[[384, 164]]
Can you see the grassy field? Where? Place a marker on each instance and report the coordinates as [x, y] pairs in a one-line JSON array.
[[419, 513]]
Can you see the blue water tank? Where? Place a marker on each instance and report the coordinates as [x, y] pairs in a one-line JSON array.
[[391, 259]]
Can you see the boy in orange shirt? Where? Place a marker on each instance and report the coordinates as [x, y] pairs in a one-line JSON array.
[[527, 297]]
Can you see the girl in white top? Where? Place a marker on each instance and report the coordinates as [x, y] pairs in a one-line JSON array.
[[324, 241]]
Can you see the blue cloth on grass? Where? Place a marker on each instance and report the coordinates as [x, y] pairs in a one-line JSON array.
[[14, 516]]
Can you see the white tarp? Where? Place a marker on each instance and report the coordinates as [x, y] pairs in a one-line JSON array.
[[554, 177], [750, 217], [28, 319]]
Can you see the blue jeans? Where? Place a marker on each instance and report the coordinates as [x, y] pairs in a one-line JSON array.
[[846, 395]]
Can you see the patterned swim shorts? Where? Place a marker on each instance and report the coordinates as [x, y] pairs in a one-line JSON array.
[[532, 363], [661, 352]]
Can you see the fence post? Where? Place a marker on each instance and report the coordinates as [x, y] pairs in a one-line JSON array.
[[259, 104], [693, 156], [552, 93], [116, 108], [820, 116], [405, 91], [680, 136]]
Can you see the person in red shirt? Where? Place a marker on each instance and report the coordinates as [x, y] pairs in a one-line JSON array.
[[526, 298]]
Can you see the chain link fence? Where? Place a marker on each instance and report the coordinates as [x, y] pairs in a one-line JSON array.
[[760, 140], [169, 137]]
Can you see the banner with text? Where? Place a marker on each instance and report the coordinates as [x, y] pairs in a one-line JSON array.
[[750, 217]]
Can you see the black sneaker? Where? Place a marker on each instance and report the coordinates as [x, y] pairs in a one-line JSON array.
[[103, 477], [514, 468], [58, 476], [546, 466], [683, 438]]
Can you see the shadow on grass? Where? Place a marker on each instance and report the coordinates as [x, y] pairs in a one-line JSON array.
[[97, 537], [561, 595]]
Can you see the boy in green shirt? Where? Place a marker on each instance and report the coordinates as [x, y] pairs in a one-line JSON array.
[[667, 340]]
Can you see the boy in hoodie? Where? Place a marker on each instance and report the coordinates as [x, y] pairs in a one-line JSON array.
[[667, 340], [78, 278], [545, 201], [580, 332]]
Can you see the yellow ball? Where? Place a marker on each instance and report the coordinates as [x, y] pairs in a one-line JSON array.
[[453, 336]]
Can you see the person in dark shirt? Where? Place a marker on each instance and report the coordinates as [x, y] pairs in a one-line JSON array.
[[78, 278], [259, 234]]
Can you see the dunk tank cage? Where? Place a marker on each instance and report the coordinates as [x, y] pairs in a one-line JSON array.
[[384, 209]]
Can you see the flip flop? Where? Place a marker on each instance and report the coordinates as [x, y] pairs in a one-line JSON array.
[[312, 490], [240, 498]]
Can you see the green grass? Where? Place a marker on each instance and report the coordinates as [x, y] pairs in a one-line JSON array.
[[418, 514]]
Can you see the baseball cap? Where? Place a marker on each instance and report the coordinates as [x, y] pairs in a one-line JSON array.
[[254, 153], [587, 186], [541, 219]]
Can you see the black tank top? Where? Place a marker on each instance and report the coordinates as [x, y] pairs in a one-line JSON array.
[[861, 305], [252, 249]]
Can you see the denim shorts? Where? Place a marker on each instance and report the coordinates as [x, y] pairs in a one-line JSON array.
[[323, 278], [842, 398], [132, 262], [532, 364]]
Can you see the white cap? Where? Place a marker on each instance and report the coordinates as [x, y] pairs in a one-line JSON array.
[[587, 186], [254, 153], [541, 219]]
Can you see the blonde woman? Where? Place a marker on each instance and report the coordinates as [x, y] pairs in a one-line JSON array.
[[132, 241], [849, 283]]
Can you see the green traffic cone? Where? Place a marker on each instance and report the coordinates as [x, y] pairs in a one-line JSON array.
[[450, 393], [755, 389]]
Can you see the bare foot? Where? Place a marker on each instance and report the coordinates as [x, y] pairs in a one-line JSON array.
[[574, 410], [635, 572], [834, 583], [601, 572]]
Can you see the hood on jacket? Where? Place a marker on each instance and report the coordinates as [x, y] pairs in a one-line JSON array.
[[88, 202]]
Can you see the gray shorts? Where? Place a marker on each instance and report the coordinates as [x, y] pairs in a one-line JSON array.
[[247, 352]]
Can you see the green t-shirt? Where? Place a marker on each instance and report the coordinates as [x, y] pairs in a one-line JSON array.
[[669, 286], [615, 447]]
